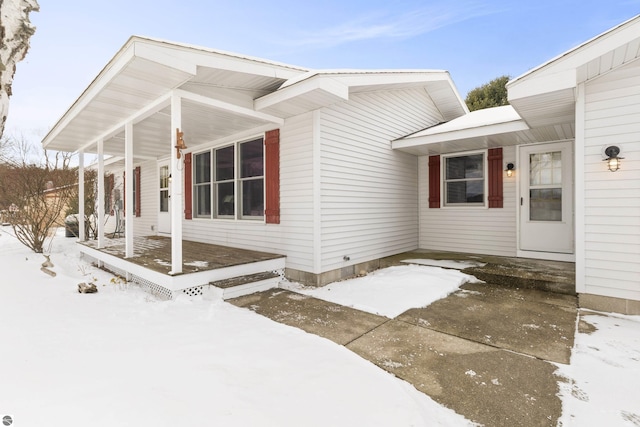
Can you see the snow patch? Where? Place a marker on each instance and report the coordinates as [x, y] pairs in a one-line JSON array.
[[391, 291]]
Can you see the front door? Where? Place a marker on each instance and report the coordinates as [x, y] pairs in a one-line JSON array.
[[164, 214], [546, 202]]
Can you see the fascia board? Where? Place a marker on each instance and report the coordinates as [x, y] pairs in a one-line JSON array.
[[108, 73], [546, 83], [573, 59], [171, 54]]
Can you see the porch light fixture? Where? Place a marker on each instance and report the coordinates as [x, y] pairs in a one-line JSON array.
[[510, 169], [613, 161], [180, 145]]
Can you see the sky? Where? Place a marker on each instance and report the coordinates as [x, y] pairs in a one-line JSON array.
[[475, 40]]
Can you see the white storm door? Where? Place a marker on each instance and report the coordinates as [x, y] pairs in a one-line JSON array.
[[164, 213], [546, 202]]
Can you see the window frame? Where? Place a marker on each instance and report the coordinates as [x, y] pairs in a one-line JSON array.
[[444, 181], [237, 180]]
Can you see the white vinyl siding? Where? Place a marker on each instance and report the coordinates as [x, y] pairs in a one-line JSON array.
[[294, 235], [612, 199], [472, 230], [368, 192]]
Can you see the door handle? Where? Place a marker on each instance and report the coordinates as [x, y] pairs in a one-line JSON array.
[[521, 201]]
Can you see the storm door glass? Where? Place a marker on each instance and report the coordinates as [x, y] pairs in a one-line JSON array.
[[545, 186]]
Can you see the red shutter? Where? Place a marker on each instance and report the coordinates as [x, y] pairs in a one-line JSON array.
[[136, 182], [434, 181], [495, 178], [188, 201], [272, 176]]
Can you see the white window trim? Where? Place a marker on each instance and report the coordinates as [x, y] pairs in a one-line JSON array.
[[443, 173], [237, 216]]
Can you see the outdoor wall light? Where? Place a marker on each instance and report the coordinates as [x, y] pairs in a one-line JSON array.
[[510, 169], [613, 161], [180, 145]]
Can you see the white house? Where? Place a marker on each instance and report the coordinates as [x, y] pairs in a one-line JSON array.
[[336, 169]]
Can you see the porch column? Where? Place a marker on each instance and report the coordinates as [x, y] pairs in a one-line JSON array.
[[129, 177], [100, 200], [81, 212], [175, 200]]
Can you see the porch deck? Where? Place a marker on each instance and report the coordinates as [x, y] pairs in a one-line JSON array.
[[202, 263], [545, 275]]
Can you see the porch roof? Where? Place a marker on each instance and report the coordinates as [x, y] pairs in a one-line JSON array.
[[546, 95], [222, 95], [217, 90], [481, 129]]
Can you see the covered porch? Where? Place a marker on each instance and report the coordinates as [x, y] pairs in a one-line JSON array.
[[152, 104], [203, 265]]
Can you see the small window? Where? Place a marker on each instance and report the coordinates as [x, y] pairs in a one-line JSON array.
[[164, 188], [224, 182], [202, 185], [252, 178], [464, 180]]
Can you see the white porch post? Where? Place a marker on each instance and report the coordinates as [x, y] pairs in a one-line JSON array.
[[175, 201], [100, 200], [129, 177], [81, 213]]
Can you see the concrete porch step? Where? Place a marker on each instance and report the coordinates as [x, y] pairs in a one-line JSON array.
[[248, 284]]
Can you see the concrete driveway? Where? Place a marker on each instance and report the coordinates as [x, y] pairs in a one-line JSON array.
[[485, 351]]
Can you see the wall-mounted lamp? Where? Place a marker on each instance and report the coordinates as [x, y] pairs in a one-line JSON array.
[[613, 161], [511, 168], [180, 145]]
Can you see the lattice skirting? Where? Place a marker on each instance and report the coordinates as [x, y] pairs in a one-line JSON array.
[[149, 286], [153, 288]]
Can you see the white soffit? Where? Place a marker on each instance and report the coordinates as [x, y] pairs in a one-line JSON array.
[[306, 95], [615, 46], [136, 84], [545, 95], [316, 89]]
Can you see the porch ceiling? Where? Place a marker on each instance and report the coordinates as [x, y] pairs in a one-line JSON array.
[[217, 91]]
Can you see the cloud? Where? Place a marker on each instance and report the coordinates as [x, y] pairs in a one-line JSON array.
[[390, 25]]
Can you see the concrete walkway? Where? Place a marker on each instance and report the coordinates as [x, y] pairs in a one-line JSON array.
[[485, 351]]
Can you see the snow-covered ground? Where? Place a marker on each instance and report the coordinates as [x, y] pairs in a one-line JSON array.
[[121, 357]]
